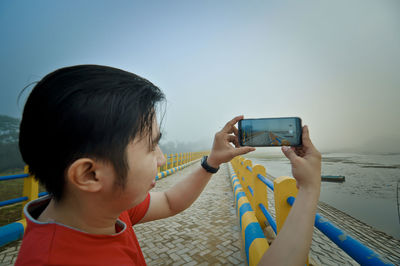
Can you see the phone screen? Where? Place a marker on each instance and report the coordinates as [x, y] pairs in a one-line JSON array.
[[261, 132]]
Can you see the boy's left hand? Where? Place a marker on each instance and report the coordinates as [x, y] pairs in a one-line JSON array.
[[222, 151]]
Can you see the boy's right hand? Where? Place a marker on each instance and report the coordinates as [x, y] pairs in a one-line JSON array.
[[306, 163]]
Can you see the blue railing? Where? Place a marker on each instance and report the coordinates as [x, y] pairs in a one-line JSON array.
[[12, 201], [267, 215], [20, 199], [10, 177], [15, 230], [355, 249]]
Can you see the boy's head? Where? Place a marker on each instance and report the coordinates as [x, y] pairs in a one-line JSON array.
[[84, 111]]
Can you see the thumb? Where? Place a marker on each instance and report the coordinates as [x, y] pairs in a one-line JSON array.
[[289, 153], [243, 150]]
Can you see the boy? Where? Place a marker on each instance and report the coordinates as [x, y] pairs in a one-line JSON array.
[[96, 130]]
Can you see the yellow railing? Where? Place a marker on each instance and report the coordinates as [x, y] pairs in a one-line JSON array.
[[14, 231], [31, 185], [250, 190]]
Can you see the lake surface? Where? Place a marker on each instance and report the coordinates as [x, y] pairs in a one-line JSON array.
[[370, 192]]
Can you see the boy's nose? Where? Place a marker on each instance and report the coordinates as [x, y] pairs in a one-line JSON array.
[[161, 158]]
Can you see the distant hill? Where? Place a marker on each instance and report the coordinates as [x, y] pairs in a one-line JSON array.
[[10, 158], [9, 129]]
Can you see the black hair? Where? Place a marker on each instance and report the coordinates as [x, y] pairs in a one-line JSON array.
[[84, 111]]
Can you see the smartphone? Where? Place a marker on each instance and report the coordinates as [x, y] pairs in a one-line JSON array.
[[266, 132]]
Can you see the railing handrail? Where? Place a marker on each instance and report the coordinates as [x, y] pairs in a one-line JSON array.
[[14, 231], [12, 201], [269, 217], [266, 181], [25, 175], [361, 253], [354, 248], [10, 177]]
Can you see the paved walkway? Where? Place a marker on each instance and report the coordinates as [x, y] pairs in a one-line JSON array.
[[208, 232]]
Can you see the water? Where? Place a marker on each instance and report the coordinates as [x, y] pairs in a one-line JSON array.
[[369, 192]]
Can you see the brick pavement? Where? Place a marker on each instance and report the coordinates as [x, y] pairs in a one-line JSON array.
[[208, 233], [9, 254]]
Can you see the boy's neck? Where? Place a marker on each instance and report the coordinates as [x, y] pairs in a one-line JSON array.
[[90, 219]]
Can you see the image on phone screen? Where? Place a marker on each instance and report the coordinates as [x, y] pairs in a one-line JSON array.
[[284, 131]]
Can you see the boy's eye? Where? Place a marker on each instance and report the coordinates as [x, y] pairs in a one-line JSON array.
[[155, 142]]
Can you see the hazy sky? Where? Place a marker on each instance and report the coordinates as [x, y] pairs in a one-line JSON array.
[[335, 64]]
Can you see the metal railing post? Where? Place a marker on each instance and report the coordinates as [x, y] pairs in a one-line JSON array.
[[245, 177], [171, 161], [176, 160], [30, 190], [284, 187]]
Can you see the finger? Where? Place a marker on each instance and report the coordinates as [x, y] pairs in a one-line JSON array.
[[289, 153], [235, 131], [306, 138], [243, 150], [299, 151], [232, 138], [236, 142], [228, 127]]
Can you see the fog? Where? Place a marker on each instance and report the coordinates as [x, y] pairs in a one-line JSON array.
[[335, 64]]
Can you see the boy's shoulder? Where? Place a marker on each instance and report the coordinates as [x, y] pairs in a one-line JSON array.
[[47, 243]]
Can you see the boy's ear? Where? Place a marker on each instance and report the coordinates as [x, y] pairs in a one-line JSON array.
[[82, 174]]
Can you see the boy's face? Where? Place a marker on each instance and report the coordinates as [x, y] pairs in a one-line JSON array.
[[143, 160]]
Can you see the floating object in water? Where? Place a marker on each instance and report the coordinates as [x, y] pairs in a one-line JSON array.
[[333, 178]]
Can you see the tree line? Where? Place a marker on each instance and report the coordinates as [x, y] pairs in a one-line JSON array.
[[10, 157]]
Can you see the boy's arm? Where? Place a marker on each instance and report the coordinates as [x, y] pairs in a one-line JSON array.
[[183, 194], [293, 242]]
